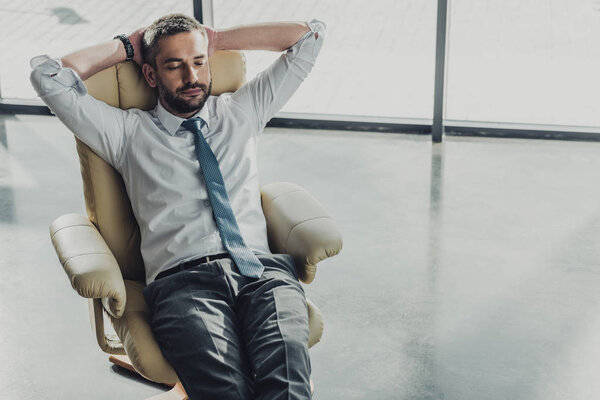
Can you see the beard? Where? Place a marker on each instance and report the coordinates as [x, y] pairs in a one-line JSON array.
[[179, 104]]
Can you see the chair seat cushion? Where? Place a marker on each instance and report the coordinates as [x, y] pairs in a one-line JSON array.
[[133, 328]]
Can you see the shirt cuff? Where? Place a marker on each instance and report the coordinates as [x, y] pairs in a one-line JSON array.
[[317, 26], [49, 77], [303, 47]]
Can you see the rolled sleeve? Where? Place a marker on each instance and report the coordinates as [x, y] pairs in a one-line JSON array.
[[309, 45], [49, 78], [102, 127], [272, 88]]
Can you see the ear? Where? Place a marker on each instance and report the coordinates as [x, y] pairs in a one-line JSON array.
[[149, 74]]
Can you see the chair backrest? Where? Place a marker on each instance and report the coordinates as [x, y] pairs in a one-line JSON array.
[[107, 204]]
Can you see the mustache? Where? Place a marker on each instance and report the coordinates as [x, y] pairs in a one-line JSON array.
[[193, 86]]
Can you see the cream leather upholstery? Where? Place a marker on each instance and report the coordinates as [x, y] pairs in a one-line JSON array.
[[298, 225], [101, 252], [88, 262]]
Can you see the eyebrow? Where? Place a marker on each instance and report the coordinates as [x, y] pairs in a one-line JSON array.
[[175, 59]]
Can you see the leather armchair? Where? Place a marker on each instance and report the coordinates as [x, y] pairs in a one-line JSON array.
[[100, 252]]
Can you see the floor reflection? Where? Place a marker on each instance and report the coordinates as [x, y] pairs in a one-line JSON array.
[[7, 198], [431, 306]]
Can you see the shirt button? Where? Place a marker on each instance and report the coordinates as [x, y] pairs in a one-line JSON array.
[[207, 202]]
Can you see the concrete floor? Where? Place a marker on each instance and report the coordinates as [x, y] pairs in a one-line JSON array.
[[470, 269]]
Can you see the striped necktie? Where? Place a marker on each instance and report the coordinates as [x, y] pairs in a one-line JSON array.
[[246, 261]]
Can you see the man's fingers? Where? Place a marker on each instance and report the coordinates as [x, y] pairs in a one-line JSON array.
[[211, 37], [136, 38]]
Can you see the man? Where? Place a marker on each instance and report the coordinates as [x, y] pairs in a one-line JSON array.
[[228, 315]]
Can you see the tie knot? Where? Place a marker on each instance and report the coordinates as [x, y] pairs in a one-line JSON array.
[[194, 124]]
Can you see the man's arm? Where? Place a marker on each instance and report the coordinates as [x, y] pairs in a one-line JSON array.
[[266, 94], [59, 83], [275, 36], [86, 62]]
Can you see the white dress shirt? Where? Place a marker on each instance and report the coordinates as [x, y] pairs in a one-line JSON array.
[[155, 155]]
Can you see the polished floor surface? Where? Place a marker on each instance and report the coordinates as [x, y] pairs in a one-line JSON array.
[[470, 270]]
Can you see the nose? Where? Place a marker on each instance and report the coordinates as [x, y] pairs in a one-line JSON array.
[[190, 75]]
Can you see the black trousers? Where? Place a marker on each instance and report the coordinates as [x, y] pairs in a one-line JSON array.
[[232, 337]]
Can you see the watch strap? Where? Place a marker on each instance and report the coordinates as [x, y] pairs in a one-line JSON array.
[[127, 44]]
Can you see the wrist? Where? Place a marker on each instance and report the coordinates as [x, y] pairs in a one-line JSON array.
[[212, 36], [129, 52]]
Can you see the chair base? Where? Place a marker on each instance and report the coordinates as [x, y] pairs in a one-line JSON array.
[[177, 392]]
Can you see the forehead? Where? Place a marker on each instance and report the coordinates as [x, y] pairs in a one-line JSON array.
[[182, 45]]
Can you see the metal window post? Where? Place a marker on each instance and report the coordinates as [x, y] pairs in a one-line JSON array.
[[203, 12], [198, 10], [437, 129]]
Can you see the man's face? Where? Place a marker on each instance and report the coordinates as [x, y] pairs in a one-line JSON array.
[[182, 73]]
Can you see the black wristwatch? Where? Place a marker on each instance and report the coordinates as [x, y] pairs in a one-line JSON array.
[[127, 44]]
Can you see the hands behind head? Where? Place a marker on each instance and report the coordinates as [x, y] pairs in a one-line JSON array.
[[136, 38]]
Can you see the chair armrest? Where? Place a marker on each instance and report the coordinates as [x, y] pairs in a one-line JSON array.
[[297, 224], [109, 343], [88, 262], [315, 323]]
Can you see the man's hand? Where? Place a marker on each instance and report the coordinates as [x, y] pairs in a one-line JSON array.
[[136, 39], [211, 36]]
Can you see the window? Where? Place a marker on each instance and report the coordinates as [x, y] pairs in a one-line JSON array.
[[524, 62], [378, 59], [57, 27]]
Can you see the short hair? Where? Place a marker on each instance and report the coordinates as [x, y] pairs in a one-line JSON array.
[[168, 25]]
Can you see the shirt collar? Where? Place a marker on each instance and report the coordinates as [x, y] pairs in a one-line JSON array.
[[173, 122]]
